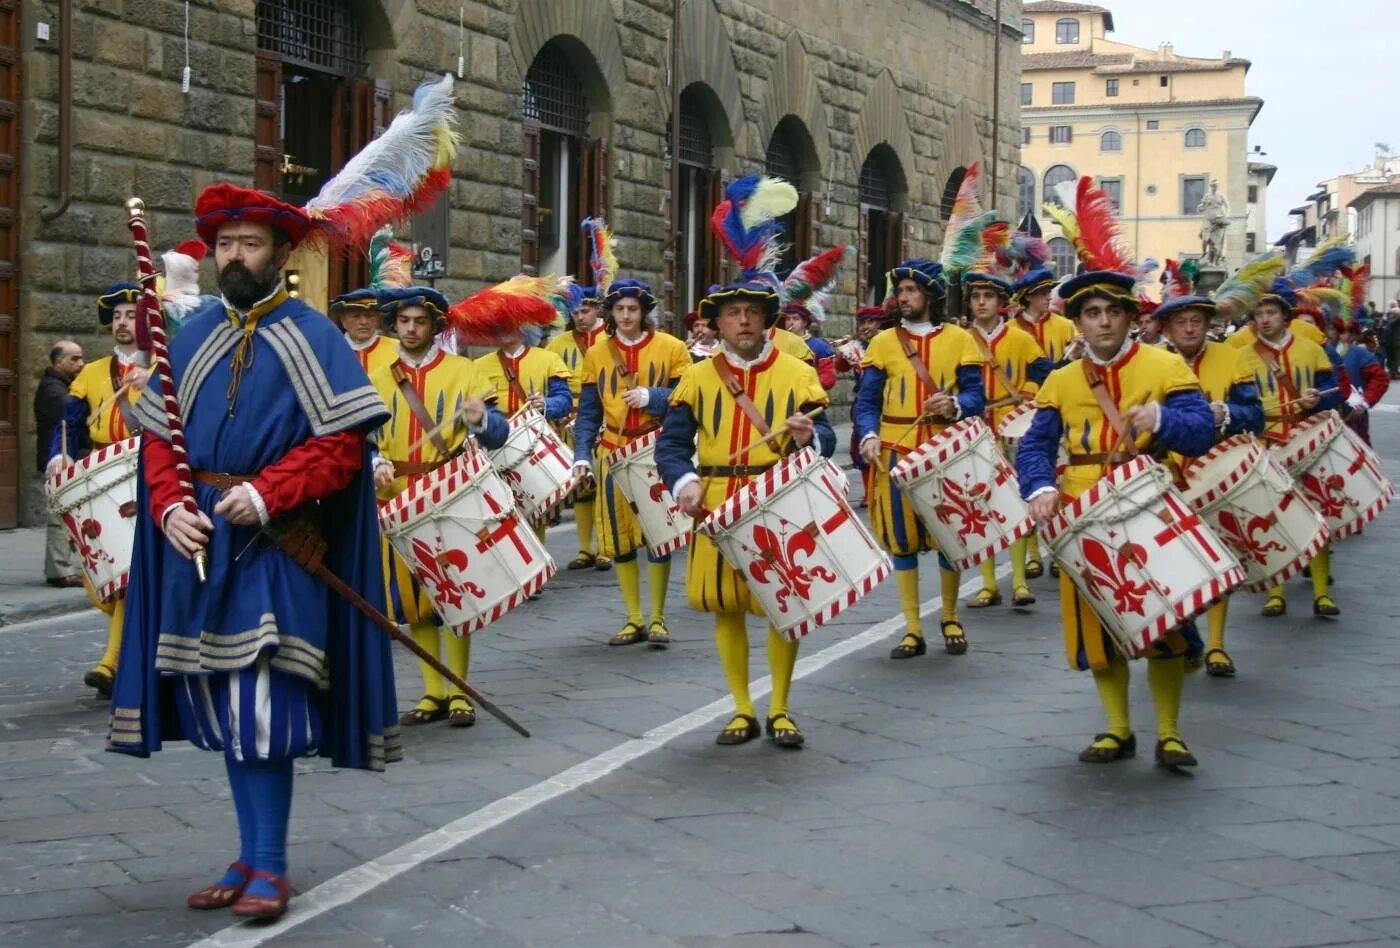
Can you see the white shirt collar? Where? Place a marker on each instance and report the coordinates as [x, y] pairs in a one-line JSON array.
[[920, 329], [993, 334], [243, 314], [630, 343], [1026, 315], [1283, 341], [413, 363], [515, 353], [1127, 344], [127, 358], [361, 346], [739, 363]]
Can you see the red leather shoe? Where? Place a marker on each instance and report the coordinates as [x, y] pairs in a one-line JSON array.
[[259, 906], [220, 896]]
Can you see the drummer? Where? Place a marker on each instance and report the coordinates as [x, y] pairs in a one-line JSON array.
[[917, 379], [1160, 402], [99, 412], [360, 319], [422, 375], [585, 326], [1014, 369], [1299, 371], [628, 375], [706, 417], [1227, 376]]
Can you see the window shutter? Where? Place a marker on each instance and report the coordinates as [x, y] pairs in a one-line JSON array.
[[863, 257], [894, 241], [530, 200], [267, 123], [715, 260], [592, 198], [803, 233]]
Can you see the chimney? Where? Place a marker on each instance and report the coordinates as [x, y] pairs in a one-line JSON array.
[[1226, 55]]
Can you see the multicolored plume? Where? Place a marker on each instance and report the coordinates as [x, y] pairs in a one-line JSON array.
[[1329, 301], [1356, 281], [1329, 257], [399, 173], [1023, 253], [602, 253], [746, 220], [815, 278], [1178, 280], [1098, 244], [1241, 292], [493, 316], [966, 248], [390, 263]]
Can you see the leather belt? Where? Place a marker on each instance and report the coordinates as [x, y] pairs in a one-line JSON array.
[[220, 481], [731, 470], [416, 468], [1098, 459], [636, 432], [902, 419]]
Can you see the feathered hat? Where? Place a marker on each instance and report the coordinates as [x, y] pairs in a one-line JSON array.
[[757, 291], [1179, 291], [390, 267], [117, 294], [520, 307], [1093, 230], [602, 258], [964, 241], [746, 224], [398, 174], [812, 281], [1238, 295], [1023, 254], [1303, 281]]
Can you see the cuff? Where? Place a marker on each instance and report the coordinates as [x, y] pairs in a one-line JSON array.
[[258, 504], [1047, 489], [867, 438], [684, 481], [165, 515], [1357, 400], [1157, 420], [957, 409], [1225, 407], [582, 462]]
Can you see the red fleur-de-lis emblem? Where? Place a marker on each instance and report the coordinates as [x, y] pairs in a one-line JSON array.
[[82, 532], [1108, 577], [782, 561], [433, 568], [968, 506], [1243, 537], [1326, 493]]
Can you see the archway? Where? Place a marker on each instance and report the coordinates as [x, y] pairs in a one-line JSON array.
[[792, 156], [883, 195], [707, 148]]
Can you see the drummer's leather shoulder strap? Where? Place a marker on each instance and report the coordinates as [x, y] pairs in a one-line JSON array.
[[1094, 377], [620, 363], [911, 352], [512, 379], [1270, 359], [133, 427], [981, 341], [415, 405], [736, 390]]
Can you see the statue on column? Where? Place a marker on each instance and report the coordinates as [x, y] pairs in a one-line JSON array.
[[1215, 220]]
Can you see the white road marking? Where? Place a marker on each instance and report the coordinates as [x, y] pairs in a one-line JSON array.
[[353, 883]]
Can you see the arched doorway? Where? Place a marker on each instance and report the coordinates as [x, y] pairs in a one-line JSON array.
[[699, 260], [790, 155], [882, 193]]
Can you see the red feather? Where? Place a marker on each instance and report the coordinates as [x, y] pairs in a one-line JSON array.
[[1360, 281], [1099, 248], [717, 220], [491, 316]]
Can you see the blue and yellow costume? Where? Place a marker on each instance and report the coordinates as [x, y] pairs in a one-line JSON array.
[[654, 361], [890, 407], [442, 383], [1051, 331], [378, 352], [571, 346], [95, 416], [1014, 369], [792, 344], [1069, 412], [704, 418]]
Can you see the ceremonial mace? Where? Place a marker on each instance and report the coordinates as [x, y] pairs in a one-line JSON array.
[[149, 304]]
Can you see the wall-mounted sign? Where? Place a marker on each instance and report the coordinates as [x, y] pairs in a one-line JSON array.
[[431, 241]]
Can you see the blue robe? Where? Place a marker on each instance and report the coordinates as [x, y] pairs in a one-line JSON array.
[[261, 626]]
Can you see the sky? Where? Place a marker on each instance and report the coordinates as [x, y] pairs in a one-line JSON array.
[[1327, 71]]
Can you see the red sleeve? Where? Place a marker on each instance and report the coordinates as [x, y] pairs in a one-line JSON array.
[[313, 470], [826, 371], [1375, 383], [161, 481]]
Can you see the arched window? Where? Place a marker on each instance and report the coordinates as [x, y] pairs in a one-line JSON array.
[[1057, 174], [699, 262], [1110, 141], [1066, 30], [1025, 192], [790, 155], [1062, 255], [882, 196], [950, 191], [1195, 138]]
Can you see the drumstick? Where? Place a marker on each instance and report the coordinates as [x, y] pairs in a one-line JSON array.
[[107, 403], [442, 426], [1123, 434], [1299, 401], [775, 433]]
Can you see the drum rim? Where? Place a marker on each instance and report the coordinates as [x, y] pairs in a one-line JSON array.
[[921, 460], [726, 514], [1075, 507], [103, 456], [619, 455], [395, 511], [1322, 430], [1223, 486]]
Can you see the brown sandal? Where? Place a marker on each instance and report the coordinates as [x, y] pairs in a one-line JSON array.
[[1022, 596], [1171, 758], [909, 647], [1123, 747], [102, 679], [741, 729], [460, 712], [1223, 668], [221, 896], [984, 599], [430, 708], [1034, 569], [954, 643], [582, 561], [1274, 606], [789, 737], [629, 634]]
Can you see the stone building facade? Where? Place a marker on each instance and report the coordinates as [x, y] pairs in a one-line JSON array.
[[873, 109]]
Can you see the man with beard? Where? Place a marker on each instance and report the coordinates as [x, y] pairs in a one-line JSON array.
[[628, 375], [917, 379], [359, 317], [421, 376], [701, 337], [708, 420], [585, 326], [259, 660], [100, 411]]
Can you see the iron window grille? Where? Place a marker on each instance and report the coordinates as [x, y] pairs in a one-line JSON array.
[[552, 94], [317, 34], [875, 188]]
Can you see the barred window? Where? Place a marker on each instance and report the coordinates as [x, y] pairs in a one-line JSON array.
[[781, 159], [318, 34], [876, 190], [696, 147], [553, 95]]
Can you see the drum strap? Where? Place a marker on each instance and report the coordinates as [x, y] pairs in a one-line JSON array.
[[620, 363], [1094, 377], [1285, 382], [133, 427], [911, 352], [981, 341], [512, 380], [415, 405], [736, 390]]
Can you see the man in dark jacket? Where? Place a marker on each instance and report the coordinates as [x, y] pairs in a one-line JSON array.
[[65, 361]]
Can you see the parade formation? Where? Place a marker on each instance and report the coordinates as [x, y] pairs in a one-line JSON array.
[[262, 494]]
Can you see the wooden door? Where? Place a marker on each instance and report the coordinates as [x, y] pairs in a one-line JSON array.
[[9, 263], [267, 124], [530, 200]]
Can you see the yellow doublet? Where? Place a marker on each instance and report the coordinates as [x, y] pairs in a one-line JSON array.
[[571, 346], [792, 344], [1220, 367], [944, 350], [657, 360], [531, 370], [1140, 375], [1300, 361], [779, 386], [1005, 376], [1052, 334], [1246, 337], [381, 351], [443, 384], [94, 386]]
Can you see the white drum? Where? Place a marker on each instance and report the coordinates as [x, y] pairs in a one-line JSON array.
[[458, 528], [801, 548], [633, 467], [1254, 506], [95, 497], [536, 464], [1337, 472], [1139, 555], [1017, 422], [965, 493]]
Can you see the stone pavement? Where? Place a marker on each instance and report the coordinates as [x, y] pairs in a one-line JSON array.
[[23, 592], [938, 801]]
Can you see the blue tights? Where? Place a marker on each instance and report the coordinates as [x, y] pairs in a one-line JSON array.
[[262, 798]]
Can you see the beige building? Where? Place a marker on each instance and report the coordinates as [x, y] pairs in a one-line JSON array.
[[1154, 128], [1331, 210], [1377, 215]]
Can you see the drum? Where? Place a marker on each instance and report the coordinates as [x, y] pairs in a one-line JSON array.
[[965, 493], [1017, 422], [800, 547], [1139, 555], [633, 468], [1255, 508], [537, 465], [1338, 473], [458, 529], [95, 497]]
